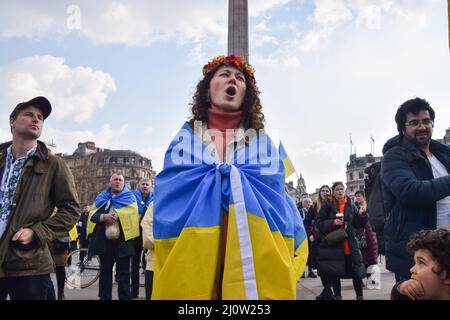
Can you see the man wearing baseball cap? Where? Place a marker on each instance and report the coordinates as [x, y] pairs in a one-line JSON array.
[[32, 183]]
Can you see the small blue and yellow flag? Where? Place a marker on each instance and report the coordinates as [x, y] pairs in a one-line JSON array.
[[73, 233], [288, 166]]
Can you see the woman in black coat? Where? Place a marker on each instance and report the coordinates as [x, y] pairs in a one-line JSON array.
[[343, 258]]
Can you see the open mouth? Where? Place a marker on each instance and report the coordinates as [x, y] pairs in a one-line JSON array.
[[231, 91]]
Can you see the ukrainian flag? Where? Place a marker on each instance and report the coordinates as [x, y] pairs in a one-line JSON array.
[[288, 166], [266, 247], [140, 201], [73, 233], [126, 208]]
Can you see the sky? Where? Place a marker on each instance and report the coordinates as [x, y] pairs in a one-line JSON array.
[[122, 73]]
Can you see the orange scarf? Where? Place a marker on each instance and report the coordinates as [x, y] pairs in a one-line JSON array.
[[341, 208]]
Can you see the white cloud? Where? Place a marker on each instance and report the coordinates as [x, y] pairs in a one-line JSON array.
[[4, 136], [148, 131], [156, 155], [260, 7], [134, 23], [66, 141], [327, 149], [262, 26], [196, 53], [321, 163], [30, 19], [261, 39], [109, 136], [74, 92], [331, 15]]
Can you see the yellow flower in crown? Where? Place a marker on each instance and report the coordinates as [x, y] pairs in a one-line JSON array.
[[230, 60]]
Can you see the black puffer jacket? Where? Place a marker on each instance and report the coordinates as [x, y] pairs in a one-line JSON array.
[[331, 258], [410, 193]]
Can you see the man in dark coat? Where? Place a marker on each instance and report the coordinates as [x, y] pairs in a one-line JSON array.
[[415, 183], [143, 197], [116, 220]]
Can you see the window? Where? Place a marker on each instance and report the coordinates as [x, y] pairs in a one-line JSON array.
[[133, 161], [351, 175], [361, 175], [120, 160]]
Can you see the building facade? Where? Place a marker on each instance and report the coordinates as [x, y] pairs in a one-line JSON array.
[[446, 139], [301, 186], [290, 189], [355, 172], [92, 168]]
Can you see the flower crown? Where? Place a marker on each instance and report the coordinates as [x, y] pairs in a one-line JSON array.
[[230, 60]]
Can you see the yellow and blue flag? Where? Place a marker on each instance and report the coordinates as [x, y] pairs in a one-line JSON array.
[[288, 166], [266, 245], [142, 205], [73, 233], [126, 208]]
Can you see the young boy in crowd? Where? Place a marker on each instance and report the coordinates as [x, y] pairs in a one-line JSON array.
[[430, 276]]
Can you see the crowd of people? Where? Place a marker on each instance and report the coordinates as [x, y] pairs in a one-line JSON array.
[[415, 188], [220, 224]]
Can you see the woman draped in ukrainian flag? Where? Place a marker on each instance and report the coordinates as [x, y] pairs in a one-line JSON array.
[[224, 226]]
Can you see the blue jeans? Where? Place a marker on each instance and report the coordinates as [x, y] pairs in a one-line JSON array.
[[51, 290]]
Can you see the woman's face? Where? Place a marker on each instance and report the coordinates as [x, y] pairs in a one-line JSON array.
[[227, 89], [339, 191], [324, 192]]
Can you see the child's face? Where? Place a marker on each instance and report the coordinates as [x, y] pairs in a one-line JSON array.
[[433, 284]]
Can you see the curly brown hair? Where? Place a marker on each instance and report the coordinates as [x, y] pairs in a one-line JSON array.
[[437, 242], [252, 116]]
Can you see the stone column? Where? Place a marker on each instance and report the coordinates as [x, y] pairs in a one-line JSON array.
[[238, 28]]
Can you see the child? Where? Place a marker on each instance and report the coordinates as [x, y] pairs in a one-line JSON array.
[[430, 276]]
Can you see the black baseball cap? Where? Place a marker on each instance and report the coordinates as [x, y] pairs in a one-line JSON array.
[[39, 102]]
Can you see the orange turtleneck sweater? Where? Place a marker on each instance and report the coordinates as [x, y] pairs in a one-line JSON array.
[[218, 123]]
